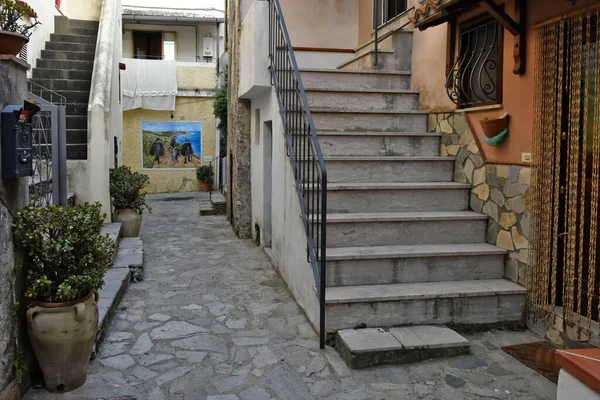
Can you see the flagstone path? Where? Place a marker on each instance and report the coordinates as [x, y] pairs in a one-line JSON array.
[[213, 320]]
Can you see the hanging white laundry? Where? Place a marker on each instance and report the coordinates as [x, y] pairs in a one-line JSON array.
[[149, 84]]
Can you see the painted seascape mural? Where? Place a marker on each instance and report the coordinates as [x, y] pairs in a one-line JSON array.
[[171, 145]]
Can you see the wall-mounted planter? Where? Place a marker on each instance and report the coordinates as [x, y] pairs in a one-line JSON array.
[[495, 130]]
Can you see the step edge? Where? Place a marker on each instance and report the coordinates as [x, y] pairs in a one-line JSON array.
[[356, 71], [430, 253]]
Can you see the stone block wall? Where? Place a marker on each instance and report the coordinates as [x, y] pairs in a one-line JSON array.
[[502, 192]]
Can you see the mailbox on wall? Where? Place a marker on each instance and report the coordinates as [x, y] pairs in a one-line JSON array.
[[17, 140]]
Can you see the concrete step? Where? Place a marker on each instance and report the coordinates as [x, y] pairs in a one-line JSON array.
[[377, 265], [81, 23], [116, 282], [379, 143], [404, 34], [65, 64], [43, 73], [328, 119], [67, 55], [62, 84], [79, 47], [83, 31], [77, 151], [388, 169], [75, 96], [67, 38], [113, 231], [357, 79], [393, 228], [479, 304], [387, 60], [77, 136], [365, 348], [77, 108], [391, 197], [364, 99], [77, 122], [131, 256]]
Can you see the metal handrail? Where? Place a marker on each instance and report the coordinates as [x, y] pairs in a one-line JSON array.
[[378, 39], [46, 94], [303, 150]]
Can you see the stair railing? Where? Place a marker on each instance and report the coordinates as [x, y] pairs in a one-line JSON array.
[[303, 150], [376, 21]]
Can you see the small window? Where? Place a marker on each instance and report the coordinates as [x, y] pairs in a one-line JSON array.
[[475, 79], [386, 10], [154, 45]]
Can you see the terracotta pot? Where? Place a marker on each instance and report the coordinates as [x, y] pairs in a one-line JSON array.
[[204, 186], [131, 222], [493, 127], [11, 43], [62, 336]]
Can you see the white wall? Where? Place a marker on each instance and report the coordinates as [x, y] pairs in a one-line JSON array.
[[46, 11], [116, 108], [321, 59], [82, 9]]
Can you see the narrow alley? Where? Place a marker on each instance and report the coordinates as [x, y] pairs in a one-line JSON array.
[[213, 320]]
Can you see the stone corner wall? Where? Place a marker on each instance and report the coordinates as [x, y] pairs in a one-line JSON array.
[[239, 202], [502, 192]]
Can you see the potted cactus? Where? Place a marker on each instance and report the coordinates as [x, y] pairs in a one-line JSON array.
[[14, 31], [129, 199], [66, 257]]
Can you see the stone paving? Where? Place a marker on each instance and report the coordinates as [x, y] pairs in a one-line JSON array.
[[213, 320]]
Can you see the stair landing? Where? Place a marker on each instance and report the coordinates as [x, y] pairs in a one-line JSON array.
[[364, 348]]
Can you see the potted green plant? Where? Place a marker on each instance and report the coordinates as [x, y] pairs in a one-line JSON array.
[[204, 175], [66, 257], [14, 31], [129, 199]]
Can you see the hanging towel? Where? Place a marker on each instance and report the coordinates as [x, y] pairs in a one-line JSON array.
[[149, 84]]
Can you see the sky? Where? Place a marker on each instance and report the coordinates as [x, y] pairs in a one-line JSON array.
[[218, 4]]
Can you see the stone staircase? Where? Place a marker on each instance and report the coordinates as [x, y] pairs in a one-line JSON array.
[[66, 68], [403, 249]]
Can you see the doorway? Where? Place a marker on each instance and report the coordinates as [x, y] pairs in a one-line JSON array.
[[267, 181]]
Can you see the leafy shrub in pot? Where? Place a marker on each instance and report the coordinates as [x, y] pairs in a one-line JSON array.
[[129, 199], [204, 175], [66, 257]]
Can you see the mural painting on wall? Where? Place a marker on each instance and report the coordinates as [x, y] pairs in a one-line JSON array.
[[171, 145]]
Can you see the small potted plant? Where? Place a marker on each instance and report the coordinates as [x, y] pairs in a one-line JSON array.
[[204, 175], [493, 128], [66, 257], [129, 200], [14, 32]]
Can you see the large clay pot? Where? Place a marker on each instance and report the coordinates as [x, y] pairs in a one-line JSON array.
[[62, 336], [11, 43], [204, 186], [131, 222]]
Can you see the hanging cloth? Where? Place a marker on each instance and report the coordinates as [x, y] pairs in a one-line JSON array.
[[149, 84]]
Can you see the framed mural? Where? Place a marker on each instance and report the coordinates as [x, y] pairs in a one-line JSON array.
[[171, 145]]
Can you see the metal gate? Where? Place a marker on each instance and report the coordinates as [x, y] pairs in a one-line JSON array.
[[48, 184]]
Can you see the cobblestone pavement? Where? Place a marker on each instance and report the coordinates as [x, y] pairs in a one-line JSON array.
[[213, 320]]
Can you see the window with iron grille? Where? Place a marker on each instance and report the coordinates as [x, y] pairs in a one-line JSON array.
[[475, 79], [389, 9]]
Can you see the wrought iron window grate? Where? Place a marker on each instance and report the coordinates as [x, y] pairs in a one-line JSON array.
[[473, 79]]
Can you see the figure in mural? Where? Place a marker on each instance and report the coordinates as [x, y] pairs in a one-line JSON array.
[[157, 150], [187, 151], [175, 155]]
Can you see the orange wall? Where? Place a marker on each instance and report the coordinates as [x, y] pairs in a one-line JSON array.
[[365, 21], [517, 90]]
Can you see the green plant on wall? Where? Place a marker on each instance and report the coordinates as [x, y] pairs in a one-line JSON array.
[[66, 253], [220, 111], [126, 189], [12, 14]]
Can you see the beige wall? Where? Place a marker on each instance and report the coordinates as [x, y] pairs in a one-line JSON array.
[[322, 23], [187, 109], [192, 76], [82, 9]]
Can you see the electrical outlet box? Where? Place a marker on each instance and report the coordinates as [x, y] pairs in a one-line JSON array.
[[526, 157]]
